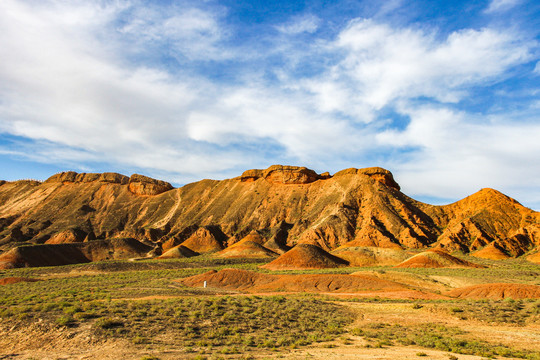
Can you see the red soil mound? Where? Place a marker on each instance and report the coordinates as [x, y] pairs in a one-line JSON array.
[[243, 280], [491, 252], [435, 259], [370, 256], [305, 256], [497, 291], [246, 249], [255, 237], [203, 241], [178, 252], [14, 280]]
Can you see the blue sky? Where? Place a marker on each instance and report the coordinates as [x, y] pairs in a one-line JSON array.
[[445, 94]]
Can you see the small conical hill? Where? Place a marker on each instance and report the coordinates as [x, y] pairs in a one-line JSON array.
[[178, 252], [305, 256], [435, 259], [203, 241], [491, 252], [246, 248], [370, 256]]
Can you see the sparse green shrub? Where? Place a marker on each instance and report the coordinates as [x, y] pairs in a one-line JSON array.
[[65, 320], [107, 323]]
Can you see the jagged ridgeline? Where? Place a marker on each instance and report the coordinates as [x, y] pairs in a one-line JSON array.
[[355, 212]]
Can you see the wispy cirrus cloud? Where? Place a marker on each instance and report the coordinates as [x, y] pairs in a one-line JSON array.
[[501, 5], [306, 23]]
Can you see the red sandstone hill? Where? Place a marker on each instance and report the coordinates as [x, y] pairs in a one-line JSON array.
[[285, 205]]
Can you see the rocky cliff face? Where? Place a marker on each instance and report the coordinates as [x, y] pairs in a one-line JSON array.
[[285, 205]]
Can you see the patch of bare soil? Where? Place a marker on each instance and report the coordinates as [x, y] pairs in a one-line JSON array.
[[44, 341], [497, 291], [14, 280]]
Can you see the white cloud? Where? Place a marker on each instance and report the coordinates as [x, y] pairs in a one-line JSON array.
[[87, 84], [501, 5], [63, 85], [383, 64], [454, 153], [186, 31], [307, 23], [537, 68], [389, 6]]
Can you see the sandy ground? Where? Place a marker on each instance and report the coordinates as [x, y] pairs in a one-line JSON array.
[[42, 341]]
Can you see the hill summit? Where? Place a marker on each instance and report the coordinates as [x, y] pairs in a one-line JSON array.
[[283, 205]]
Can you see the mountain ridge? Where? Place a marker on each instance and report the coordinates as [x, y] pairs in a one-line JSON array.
[[285, 205]]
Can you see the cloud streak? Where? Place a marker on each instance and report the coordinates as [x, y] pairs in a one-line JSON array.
[[501, 5]]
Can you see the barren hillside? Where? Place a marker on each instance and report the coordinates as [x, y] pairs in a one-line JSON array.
[[281, 206]]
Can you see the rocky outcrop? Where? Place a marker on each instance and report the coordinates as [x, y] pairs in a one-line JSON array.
[[143, 185], [137, 184], [279, 174], [381, 175], [464, 236], [73, 177]]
